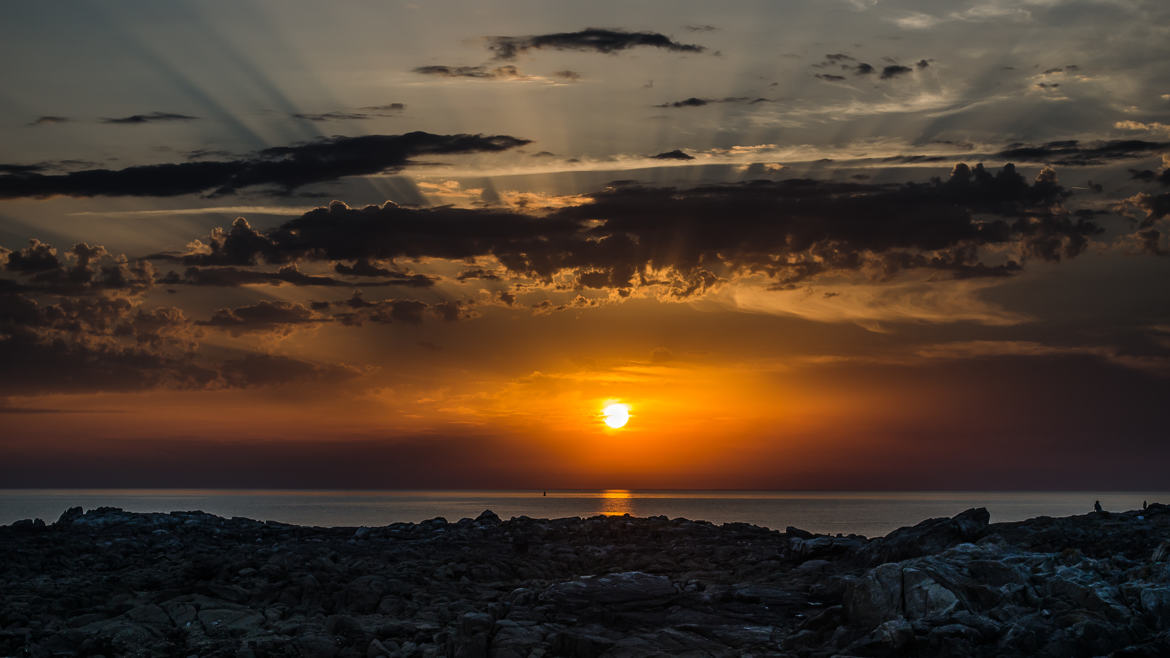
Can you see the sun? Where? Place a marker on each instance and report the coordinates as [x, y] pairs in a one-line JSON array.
[[616, 415]]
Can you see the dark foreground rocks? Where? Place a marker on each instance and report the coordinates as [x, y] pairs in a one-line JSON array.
[[115, 583]]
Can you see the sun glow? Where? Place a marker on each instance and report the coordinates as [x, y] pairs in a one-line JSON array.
[[616, 415]]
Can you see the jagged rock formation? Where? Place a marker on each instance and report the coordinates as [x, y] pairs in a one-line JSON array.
[[114, 583]]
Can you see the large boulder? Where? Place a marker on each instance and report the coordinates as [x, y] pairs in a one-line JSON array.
[[631, 587], [929, 537]]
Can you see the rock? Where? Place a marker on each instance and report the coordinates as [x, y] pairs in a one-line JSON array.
[[923, 596], [930, 536], [69, 516], [1161, 553], [113, 583], [875, 597], [611, 589], [1155, 602], [487, 517], [583, 643]]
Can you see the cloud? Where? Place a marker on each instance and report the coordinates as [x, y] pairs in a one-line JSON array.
[[849, 64], [356, 310], [285, 167], [684, 240], [1074, 153], [235, 277], [1152, 126], [505, 72], [895, 70], [700, 102], [363, 267], [566, 74], [153, 117], [48, 120], [389, 107], [333, 116], [367, 112], [591, 39], [1149, 207], [36, 257], [95, 344], [676, 154], [263, 316], [81, 269], [477, 273]]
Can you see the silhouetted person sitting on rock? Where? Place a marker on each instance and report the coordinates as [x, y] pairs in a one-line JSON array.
[[1096, 506]]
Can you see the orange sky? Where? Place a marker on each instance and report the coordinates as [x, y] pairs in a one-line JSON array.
[[290, 244]]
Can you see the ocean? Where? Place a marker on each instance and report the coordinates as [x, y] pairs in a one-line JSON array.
[[865, 513]]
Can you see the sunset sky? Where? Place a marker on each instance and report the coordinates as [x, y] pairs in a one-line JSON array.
[[830, 244]]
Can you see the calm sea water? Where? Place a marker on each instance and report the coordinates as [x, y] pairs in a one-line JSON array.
[[866, 513]]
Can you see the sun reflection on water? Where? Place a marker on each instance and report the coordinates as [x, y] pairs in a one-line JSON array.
[[615, 502]]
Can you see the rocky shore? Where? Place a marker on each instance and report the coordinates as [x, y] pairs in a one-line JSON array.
[[114, 583]]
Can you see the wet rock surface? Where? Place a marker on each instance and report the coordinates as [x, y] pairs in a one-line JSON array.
[[114, 583]]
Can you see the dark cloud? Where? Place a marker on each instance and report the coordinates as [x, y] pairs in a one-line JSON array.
[[258, 369], [566, 74], [290, 274], [20, 168], [1151, 242], [795, 229], [356, 310], [232, 277], [791, 230], [915, 158], [591, 39], [1074, 153], [895, 70], [700, 28], [1152, 206], [363, 267], [1150, 176], [202, 154], [367, 112], [333, 116], [151, 118], [477, 273], [83, 344], [81, 269], [36, 257], [849, 64], [286, 167], [386, 232], [264, 316], [49, 120], [676, 154], [505, 72], [700, 102], [115, 343], [389, 107]]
